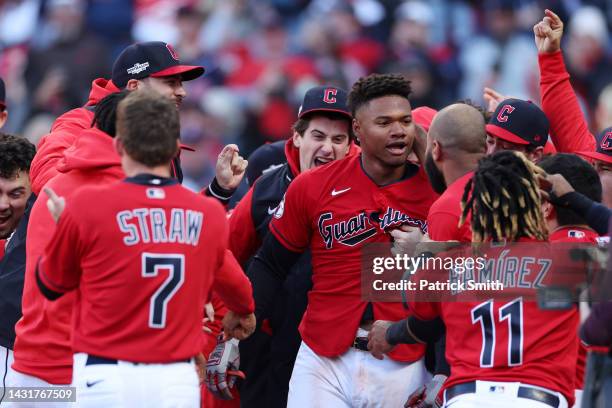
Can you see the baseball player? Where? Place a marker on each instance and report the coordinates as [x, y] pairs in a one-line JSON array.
[[43, 353], [566, 225], [530, 362], [154, 65], [3, 111], [334, 211], [320, 135], [455, 144], [16, 154], [137, 324]]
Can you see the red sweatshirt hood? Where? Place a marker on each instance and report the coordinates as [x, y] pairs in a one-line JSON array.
[[100, 88], [93, 149], [292, 154]]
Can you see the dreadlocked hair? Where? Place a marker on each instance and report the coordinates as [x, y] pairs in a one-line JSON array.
[[504, 200], [105, 112], [375, 86]]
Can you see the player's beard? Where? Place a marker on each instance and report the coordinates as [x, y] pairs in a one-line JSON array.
[[436, 178]]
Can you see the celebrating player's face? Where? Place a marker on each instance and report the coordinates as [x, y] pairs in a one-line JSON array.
[[14, 193], [495, 144], [171, 87], [324, 140], [385, 129]]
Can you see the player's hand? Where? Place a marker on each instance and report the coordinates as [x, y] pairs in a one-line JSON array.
[[55, 203], [230, 167], [548, 33], [420, 143], [377, 339], [426, 396], [209, 311], [493, 98], [553, 186], [238, 326], [405, 238], [222, 368]]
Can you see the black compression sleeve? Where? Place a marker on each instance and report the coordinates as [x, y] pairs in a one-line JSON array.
[[442, 366], [596, 215], [221, 194], [413, 330], [268, 271]]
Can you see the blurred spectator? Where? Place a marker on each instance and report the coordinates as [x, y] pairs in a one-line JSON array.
[[603, 112], [587, 58], [502, 57], [64, 59]]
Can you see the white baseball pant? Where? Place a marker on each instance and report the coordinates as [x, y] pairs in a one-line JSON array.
[[352, 380], [132, 385], [17, 379]]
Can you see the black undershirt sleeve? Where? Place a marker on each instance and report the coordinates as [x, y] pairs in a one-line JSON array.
[[268, 271], [48, 293]]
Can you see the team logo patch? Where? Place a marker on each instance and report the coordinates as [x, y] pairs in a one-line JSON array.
[[506, 110], [606, 141], [156, 193], [576, 234], [172, 52], [280, 210], [138, 68], [329, 96]]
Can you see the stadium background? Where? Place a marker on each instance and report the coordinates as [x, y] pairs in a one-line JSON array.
[[261, 55]]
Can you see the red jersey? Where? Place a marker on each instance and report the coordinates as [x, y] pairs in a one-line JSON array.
[[144, 266], [445, 213], [335, 210], [576, 234], [507, 341]]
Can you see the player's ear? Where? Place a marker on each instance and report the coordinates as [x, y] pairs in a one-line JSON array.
[[297, 139], [3, 118], [548, 210], [132, 84], [118, 146], [436, 150], [356, 129]]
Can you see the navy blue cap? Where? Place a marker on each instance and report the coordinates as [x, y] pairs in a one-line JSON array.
[[603, 148], [520, 122], [2, 95], [265, 158], [151, 59], [325, 98]]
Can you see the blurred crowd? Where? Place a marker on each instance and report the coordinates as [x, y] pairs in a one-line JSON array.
[[261, 55]]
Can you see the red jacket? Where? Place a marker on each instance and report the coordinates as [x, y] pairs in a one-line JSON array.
[[43, 345], [64, 132], [568, 128]]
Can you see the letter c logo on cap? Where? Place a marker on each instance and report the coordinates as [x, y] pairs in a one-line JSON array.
[[606, 141], [329, 96], [502, 116]]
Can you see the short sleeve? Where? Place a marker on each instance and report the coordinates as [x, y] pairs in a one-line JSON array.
[[424, 310], [291, 223]]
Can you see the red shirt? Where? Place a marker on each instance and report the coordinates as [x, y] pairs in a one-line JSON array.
[[445, 213], [576, 234], [542, 352], [335, 210], [144, 266]]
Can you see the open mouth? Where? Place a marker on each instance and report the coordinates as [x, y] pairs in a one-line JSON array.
[[319, 161], [4, 219], [397, 148]]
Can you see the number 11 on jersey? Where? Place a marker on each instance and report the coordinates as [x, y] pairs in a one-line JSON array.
[[512, 312]]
